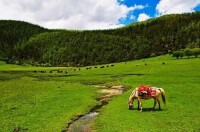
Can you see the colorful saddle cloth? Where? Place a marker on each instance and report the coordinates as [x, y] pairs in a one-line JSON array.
[[146, 91]]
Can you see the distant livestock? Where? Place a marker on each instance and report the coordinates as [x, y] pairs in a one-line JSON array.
[[101, 66], [43, 71], [59, 71], [88, 68]]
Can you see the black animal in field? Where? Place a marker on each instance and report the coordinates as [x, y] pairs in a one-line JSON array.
[[102, 66]]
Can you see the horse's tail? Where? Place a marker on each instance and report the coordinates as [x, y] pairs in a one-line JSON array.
[[163, 95]]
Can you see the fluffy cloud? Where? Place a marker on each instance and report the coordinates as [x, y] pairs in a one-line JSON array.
[[143, 17], [176, 6], [70, 14]]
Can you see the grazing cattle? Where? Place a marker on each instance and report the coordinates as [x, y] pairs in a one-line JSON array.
[[34, 71], [50, 71], [145, 64], [66, 72], [43, 71], [163, 63], [95, 67], [101, 66], [59, 71], [112, 65], [107, 66], [88, 68]]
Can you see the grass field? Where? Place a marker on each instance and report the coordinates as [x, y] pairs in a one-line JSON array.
[[37, 101]]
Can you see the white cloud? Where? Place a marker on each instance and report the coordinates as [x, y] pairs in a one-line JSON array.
[[143, 17], [139, 7], [132, 17], [69, 14], [176, 6]]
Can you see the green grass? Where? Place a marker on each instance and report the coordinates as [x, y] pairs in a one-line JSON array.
[[180, 80], [48, 101], [42, 105]]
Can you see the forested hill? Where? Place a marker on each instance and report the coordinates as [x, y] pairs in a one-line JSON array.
[[22, 42], [13, 33]]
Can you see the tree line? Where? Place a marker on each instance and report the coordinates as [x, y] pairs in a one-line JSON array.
[[22, 42]]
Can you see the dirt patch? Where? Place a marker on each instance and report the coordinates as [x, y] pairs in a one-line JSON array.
[[113, 91]]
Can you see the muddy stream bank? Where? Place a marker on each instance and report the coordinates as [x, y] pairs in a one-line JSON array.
[[81, 123]]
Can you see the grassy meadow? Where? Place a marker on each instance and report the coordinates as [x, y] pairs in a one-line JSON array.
[[38, 102]]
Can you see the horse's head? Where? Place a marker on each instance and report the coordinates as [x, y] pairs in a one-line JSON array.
[[130, 100], [130, 104]]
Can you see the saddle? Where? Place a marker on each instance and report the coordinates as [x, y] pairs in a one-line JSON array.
[[146, 91]]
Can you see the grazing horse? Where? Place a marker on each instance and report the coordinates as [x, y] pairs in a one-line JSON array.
[[146, 92]]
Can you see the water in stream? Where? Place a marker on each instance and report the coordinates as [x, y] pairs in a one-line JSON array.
[[81, 123]]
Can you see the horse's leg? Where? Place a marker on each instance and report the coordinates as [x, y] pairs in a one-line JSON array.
[[158, 104], [140, 103], [154, 103]]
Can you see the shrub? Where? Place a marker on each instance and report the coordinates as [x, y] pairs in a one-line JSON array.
[[153, 55], [177, 54], [195, 51], [16, 62], [188, 52], [36, 63], [47, 65], [170, 52]]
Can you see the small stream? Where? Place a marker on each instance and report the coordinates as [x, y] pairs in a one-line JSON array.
[[81, 123]]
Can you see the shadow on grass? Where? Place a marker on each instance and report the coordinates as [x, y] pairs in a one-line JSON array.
[[148, 110]]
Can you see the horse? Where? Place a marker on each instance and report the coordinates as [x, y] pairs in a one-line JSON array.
[[145, 92]]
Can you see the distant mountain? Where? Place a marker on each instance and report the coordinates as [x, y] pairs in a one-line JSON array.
[[22, 42]]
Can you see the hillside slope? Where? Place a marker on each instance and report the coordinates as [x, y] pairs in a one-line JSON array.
[[12, 33], [139, 40]]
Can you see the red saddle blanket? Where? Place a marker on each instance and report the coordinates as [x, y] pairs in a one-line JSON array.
[[149, 91]]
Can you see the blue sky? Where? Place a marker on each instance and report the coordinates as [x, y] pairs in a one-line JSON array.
[[91, 14], [152, 11]]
